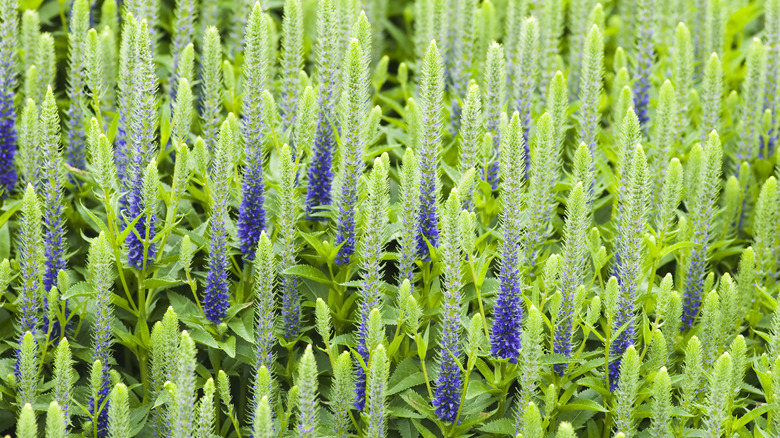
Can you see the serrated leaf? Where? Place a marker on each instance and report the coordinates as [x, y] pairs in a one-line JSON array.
[[309, 272], [503, 426]]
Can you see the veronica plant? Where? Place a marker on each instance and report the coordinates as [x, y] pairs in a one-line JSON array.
[[505, 337], [292, 59], [495, 101], [289, 204], [141, 140], [375, 220], [101, 279], [186, 14], [216, 299], [251, 212], [629, 252], [354, 111], [703, 199], [211, 87], [573, 268], [591, 87], [429, 141], [77, 40], [752, 98], [320, 173], [9, 24], [447, 398]]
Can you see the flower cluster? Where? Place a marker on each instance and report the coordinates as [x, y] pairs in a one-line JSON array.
[[341, 218]]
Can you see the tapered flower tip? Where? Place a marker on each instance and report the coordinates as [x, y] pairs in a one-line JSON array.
[[565, 430], [257, 9], [29, 193]]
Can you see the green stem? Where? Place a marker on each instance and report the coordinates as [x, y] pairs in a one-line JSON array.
[[478, 288], [608, 415], [470, 366], [424, 370], [112, 231]]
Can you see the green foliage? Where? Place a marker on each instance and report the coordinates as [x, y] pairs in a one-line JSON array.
[[634, 266]]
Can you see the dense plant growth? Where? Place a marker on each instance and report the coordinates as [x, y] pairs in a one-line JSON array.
[[438, 218]]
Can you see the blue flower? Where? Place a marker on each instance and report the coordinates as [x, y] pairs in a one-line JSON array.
[[101, 277], [447, 397], [508, 311], [141, 137], [9, 24], [215, 302], [251, 214], [320, 171], [701, 206], [354, 106], [372, 273], [645, 58], [629, 252], [431, 107], [77, 39]]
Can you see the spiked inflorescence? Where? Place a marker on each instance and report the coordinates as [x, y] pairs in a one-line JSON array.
[[217, 291], [251, 212], [9, 24], [505, 337], [429, 142], [354, 112], [449, 383]]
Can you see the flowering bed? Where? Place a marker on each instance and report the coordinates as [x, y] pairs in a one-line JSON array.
[[432, 218]]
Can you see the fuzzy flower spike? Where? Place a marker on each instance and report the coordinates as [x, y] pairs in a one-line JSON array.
[[141, 140], [51, 181], [9, 24], [29, 250], [354, 112], [251, 214], [289, 207], [629, 252], [448, 385], [52, 188], [429, 142], [320, 172], [77, 47], [505, 337], [101, 277], [573, 267], [375, 220], [703, 202], [216, 300]]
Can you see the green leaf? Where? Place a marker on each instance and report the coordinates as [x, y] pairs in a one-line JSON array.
[[502, 426], [476, 388], [309, 272], [203, 337], [416, 401], [229, 346], [160, 283], [408, 381], [582, 405], [243, 326], [750, 416]]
